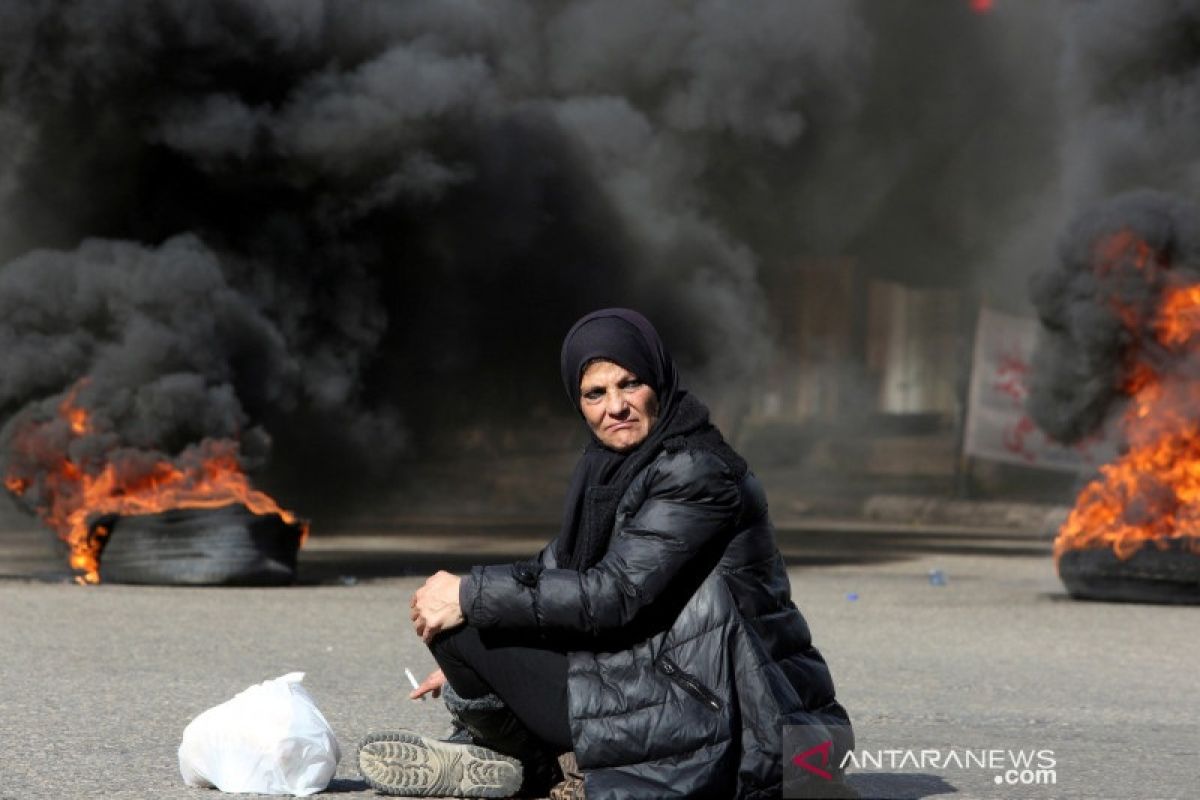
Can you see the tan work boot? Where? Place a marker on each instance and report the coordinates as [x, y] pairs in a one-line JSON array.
[[571, 786]]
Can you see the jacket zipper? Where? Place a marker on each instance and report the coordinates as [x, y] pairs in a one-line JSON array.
[[690, 683]]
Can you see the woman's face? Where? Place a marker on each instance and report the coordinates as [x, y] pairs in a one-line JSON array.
[[618, 407]]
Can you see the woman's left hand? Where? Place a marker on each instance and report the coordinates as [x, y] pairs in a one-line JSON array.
[[435, 606]]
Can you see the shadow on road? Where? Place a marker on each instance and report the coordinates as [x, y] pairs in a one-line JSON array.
[[800, 547], [899, 786], [345, 786]]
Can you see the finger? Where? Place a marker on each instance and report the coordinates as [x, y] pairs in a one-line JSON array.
[[437, 692]]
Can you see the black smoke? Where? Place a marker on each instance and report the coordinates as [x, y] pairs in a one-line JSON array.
[[1128, 156], [336, 231], [1098, 308], [395, 210], [1130, 83]]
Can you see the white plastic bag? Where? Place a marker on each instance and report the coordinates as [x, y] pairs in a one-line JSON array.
[[269, 739]]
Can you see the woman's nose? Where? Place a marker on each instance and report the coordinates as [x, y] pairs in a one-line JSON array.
[[616, 404]]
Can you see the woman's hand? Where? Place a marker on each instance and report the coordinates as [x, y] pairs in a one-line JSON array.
[[433, 683], [435, 606]]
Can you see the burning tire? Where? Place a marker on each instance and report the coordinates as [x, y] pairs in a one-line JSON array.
[[226, 546], [1153, 574]]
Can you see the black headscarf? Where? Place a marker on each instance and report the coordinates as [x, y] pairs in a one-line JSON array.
[[602, 475]]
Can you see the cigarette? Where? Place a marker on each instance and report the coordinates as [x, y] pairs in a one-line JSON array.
[[413, 680]]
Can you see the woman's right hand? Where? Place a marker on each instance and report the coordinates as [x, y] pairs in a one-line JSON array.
[[433, 683]]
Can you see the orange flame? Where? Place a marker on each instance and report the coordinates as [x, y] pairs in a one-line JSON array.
[[76, 417], [1152, 492], [73, 496]]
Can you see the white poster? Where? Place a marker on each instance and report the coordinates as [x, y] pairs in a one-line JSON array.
[[998, 428]]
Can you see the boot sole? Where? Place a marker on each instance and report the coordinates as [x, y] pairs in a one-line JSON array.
[[408, 764]]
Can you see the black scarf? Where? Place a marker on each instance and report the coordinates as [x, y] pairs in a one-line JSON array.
[[602, 475]]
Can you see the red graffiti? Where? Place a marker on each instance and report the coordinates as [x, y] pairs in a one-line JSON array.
[[1015, 438], [1012, 376]]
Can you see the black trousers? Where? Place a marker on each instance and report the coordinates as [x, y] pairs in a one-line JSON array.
[[529, 676]]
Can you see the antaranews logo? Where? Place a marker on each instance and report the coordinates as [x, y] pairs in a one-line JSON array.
[[817, 750], [812, 760], [814, 764]]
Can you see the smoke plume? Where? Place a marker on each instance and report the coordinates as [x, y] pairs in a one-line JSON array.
[[341, 233], [339, 230], [1130, 88], [1099, 308], [1130, 79]]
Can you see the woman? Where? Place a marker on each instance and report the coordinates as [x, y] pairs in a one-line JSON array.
[[654, 638]]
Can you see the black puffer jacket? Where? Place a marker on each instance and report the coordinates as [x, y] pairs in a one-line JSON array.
[[691, 656]]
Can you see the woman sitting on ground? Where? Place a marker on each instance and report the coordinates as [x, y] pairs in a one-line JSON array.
[[652, 646]]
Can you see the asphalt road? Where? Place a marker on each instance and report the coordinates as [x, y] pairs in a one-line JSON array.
[[99, 682]]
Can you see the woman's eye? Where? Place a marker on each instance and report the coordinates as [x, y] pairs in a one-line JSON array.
[[592, 395]]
